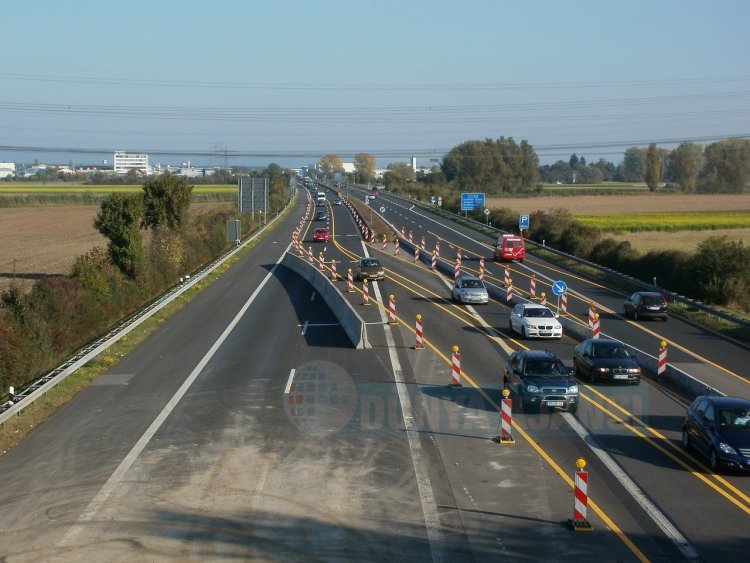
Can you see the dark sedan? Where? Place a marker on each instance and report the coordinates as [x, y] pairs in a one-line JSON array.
[[603, 359], [719, 428]]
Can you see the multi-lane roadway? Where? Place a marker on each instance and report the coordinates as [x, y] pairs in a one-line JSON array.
[[247, 426]]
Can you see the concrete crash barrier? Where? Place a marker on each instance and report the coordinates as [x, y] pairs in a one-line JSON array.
[[352, 323]]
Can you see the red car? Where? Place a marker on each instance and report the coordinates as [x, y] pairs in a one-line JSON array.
[[321, 234]]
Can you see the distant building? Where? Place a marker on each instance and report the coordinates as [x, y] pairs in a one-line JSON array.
[[124, 162], [7, 169]]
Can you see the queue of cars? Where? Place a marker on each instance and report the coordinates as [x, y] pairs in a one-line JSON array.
[[716, 427]]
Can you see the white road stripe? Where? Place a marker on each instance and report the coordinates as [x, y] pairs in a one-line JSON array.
[[113, 482], [289, 382], [426, 494], [304, 328]]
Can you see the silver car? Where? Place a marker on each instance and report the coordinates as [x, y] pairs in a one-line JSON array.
[[470, 289]]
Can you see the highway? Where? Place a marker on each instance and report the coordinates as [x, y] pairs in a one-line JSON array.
[[247, 426]]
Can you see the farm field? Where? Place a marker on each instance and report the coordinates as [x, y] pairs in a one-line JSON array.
[[626, 203], [45, 241], [66, 188], [682, 240]]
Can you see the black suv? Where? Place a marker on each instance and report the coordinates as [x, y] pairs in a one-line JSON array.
[[646, 305], [540, 379]]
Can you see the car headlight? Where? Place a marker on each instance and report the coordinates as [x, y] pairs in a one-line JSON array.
[[532, 388], [573, 389], [727, 449], [602, 369]]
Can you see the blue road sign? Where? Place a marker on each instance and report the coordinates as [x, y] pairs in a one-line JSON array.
[[523, 222], [471, 201], [559, 287]]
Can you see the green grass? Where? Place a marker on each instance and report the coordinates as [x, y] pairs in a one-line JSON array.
[[684, 221]]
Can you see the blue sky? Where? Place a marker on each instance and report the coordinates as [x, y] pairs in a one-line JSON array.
[[293, 80]]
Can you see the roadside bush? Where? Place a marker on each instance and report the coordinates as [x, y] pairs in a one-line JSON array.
[[670, 267], [719, 271], [578, 240], [547, 227], [618, 255]]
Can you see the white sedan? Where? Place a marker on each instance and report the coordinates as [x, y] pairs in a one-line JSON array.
[[532, 320]]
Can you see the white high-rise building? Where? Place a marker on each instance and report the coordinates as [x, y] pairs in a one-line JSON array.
[[124, 162]]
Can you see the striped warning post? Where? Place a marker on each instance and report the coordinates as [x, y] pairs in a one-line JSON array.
[[592, 315], [564, 303], [416, 253], [365, 293], [350, 281], [533, 286], [334, 274], [397, 247], [508, 290], [434, 260], [457, 269], [455, 368], [424, 244], [411, 237], [506, 420], [481, 267], [402, 230], [392, 310], [419, 345], [385, 241], [507, 275], [661, 366], [437, 247], [320, 261], [543, 299], [310, 255], [597, 327], [579, 523]]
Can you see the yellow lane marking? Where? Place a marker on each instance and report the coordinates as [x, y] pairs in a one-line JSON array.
[[667, 442]]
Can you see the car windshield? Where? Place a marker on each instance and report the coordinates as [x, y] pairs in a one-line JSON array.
[[370, 263], [537, 313], [471, 283], [545, 368], [653, 300], [321, 231], [735, 417], [608, 351]]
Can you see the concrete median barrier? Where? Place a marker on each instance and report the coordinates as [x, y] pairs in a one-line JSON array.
[[351, 322]]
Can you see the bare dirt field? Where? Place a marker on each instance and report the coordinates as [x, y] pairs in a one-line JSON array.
[[626, 203], [36, 242]]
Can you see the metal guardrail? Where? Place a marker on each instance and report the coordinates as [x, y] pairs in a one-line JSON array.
[[13, 405]]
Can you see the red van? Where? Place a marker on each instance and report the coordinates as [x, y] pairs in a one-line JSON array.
[[510, 247]]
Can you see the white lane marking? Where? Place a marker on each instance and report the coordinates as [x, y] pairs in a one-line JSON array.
[[304, 328], [494, 334], [113, 482], [289, 382], [633, 489], [426, 494]]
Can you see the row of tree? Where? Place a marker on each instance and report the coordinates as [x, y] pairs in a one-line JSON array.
[[504, 166], [720, 167]]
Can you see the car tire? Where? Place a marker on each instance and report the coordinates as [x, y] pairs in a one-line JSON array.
[[635, 314], [685, 440], [523, 332], [573, 409]]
